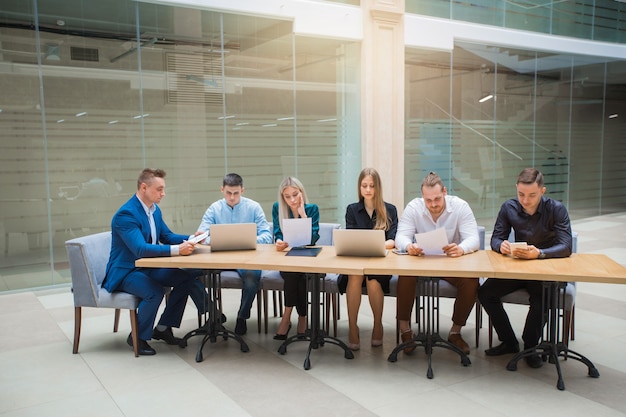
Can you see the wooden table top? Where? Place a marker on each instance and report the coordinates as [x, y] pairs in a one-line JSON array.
[[264, 257], [473, 265], [486, 263], [579, 267]]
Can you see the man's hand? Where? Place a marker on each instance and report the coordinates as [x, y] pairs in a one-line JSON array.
[[453, 250], [505, 247], [186, 248], [531, 252], [414, 249]]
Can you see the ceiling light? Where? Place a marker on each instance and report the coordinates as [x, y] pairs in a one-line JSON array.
[[82, 113], [613, 116], [487, 97]]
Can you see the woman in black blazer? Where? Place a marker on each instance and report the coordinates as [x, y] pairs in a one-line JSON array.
[[370, 212]]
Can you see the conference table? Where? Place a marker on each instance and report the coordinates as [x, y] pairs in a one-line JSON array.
[[595, 268], [429, 270], [265, 257], [554, 274]]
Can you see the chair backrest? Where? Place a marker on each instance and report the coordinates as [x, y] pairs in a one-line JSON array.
[[88, 257], [326, 233], [481, 237]]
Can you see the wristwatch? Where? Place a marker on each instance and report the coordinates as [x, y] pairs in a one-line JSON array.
[[542, 254]]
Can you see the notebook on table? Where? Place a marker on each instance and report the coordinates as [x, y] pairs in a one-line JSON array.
[[236, 236], [359, 242]]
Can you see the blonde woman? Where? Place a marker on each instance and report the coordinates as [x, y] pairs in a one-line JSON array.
[[370, 212], [292, 204]]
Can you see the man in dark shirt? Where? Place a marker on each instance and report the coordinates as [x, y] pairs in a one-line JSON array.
[[543, 223]]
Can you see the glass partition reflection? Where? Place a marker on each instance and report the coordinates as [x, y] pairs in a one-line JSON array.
[[93, 93], [506, 109]]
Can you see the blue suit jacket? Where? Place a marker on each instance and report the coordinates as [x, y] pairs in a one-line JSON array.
[[130, 230]]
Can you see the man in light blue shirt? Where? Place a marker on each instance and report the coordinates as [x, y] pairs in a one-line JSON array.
[[234, 208]]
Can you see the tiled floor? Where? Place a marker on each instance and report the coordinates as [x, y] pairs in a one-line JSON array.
[[39, 376]]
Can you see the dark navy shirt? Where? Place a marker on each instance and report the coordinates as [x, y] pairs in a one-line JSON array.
[[357, 218], [549, 229]]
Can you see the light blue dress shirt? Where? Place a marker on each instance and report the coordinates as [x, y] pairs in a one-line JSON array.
[[247, 211]]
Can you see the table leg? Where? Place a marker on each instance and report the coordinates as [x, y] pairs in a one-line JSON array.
[[428, 327], [213, 327], [550, 347], [315, 335]]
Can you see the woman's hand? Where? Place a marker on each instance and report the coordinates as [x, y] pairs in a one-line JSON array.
[[301, 211], [281, 246]]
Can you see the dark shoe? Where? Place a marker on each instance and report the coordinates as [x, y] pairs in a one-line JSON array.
[[279, 336], [223, 319], [502, 349], [241, 328], [457, 340], [534, 361], [407, 336], [144, 348], [166, 335]]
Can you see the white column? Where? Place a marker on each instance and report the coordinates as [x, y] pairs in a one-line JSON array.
[[382, 94]]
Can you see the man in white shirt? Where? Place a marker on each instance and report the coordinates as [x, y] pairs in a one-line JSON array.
[[436, 209]]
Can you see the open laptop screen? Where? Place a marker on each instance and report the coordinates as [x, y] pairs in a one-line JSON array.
[[359, 242], [236, 236]]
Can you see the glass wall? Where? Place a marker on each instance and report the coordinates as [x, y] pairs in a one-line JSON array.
[[601, 20], [481, 114], [94, 92]]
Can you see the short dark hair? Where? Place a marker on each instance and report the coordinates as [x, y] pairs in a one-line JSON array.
[[232, 180], [530, 176], [148, 174]]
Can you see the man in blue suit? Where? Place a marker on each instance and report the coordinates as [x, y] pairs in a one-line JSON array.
[[138, 231]]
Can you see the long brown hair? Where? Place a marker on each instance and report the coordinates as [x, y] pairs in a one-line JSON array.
[[382, 220]]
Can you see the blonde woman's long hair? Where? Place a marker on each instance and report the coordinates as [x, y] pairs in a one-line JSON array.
[[382, 220], [283, 208]]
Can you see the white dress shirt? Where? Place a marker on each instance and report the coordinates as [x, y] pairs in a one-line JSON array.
[[457, 218]]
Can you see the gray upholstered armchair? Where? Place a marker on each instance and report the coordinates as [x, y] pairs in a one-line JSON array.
[[88, 257]]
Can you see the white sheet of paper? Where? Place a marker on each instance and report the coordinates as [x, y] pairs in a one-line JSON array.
[[297, 232], [432, 242]]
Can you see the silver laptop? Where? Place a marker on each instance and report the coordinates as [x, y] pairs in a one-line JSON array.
[[236, 236], [359, 242]]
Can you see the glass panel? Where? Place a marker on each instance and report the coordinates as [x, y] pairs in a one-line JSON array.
[[328, 154], [586, 19], [573, 19], [428, 123], [25, 196], [613, 179], [512, 109], [608, 21], [475, 153], [91, 96]]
